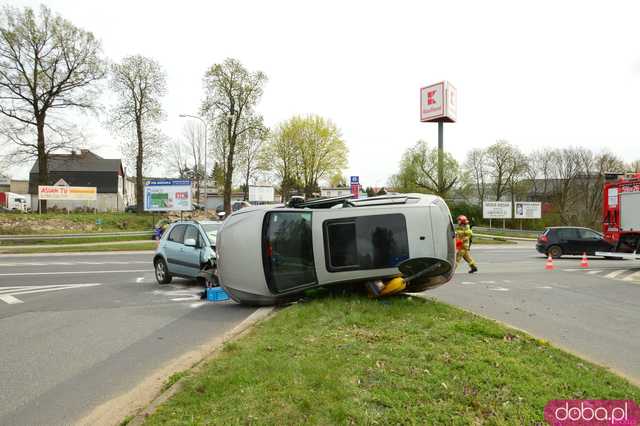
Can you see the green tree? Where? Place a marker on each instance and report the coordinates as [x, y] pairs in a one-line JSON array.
[[47, 64], [306, 150], [419, 171], [231, 94], [139, 84]]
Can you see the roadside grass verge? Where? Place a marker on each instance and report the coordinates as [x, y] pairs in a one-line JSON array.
[[404, 360], [62, 223], [483, 240], [501, 233], [151, 245], [78, 240]]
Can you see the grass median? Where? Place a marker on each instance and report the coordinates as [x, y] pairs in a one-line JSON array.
[[74, 240], [404, 360], [147, 245]]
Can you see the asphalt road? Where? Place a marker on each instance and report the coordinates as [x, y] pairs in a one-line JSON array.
[[593, 312], [79, 329]]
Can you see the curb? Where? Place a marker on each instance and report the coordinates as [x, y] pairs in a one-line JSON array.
[[145, 398]]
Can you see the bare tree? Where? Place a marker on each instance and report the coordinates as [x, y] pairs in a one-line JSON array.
[[46, 64], [539, 171], [250, 157], [186, 155], [476, 165], [231, 94], [634, 166], [503, 160], [139, 84]]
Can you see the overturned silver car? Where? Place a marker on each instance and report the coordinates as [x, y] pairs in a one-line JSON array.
[[271, 255]]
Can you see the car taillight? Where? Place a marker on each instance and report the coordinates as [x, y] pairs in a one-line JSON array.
[[543, 238], [269, 250]]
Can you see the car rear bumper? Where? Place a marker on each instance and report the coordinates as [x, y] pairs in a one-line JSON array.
[[541, 248]]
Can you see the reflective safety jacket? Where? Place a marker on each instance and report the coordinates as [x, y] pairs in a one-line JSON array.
[[464, 234]]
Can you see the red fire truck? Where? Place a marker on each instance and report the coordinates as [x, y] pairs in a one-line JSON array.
[[621, 214]]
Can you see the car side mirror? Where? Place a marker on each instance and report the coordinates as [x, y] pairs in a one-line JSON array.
[[190, 242]]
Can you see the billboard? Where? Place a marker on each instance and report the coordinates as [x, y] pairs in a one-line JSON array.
[[69, 193], [439, 102], [167, 195], [261, 193], [528, 210], [496, 210]]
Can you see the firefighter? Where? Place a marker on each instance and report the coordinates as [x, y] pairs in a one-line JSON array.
[[463, 243]]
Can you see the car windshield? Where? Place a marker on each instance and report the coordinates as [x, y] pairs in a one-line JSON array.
[[211, 229]]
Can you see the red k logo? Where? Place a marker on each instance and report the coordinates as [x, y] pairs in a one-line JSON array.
[[431, 97]]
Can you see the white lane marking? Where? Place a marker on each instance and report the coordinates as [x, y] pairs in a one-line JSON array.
[[184, 299], [487, 282], [25, 287], [545, 287], [632, 277], [614, 274], [593, 272], [467, 282], [139, 279], [498, 289], [197, 304], [75, 272], [8, 297], [113, 262]]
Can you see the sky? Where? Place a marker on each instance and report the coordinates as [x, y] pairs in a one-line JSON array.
[[538, 74]]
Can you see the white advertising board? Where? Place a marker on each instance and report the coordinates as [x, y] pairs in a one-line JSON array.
[[438, 102], [496, 210], [165, 195], [70, 193], [528, 210], [262, 193]]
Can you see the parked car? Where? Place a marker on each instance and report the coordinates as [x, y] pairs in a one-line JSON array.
[[133, 208], [186, 248], [235, 206], [270, 255], [561, 240]]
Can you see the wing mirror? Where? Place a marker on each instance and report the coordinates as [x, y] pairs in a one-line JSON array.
[[190, 242]]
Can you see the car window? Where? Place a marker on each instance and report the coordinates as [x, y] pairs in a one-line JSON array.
[[211, 229], [367, 242], [568, 234], [587, 234], [177, 234], [191, 232], [288, 250]]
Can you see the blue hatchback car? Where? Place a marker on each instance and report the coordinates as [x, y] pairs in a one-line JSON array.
[[186, 248]]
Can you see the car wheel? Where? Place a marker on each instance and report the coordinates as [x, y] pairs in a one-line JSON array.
[[162, 272], [555, 252]]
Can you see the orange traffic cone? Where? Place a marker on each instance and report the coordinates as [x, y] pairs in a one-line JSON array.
[[585, 261], [549, 265]]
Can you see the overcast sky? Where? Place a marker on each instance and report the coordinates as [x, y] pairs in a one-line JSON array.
[[547, 73]]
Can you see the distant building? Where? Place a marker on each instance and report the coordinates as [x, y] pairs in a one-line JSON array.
[[334, 192], [84, 168]]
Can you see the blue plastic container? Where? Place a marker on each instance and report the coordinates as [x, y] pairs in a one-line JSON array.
[[216, 294]]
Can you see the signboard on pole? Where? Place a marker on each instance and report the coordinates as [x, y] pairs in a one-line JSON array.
[[528, 210], [496, 210], [439, 103], [168, 195], [69, 193], [261, 193], [355, 186]]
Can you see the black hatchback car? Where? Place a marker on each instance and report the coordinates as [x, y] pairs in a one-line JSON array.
[[561, 240]]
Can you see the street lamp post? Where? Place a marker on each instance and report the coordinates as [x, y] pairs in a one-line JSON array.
[[204, 123]]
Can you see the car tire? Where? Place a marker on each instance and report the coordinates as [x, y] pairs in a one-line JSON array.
[[555, 252], [162, 271]]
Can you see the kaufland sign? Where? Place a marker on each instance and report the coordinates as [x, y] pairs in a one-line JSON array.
[[438, 102]]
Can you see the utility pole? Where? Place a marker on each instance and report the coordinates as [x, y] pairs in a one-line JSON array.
[[440, 157]]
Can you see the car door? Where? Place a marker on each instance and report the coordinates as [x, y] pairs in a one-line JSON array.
[[173, 249], [593, 241], [190, 254], [569, 240]]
